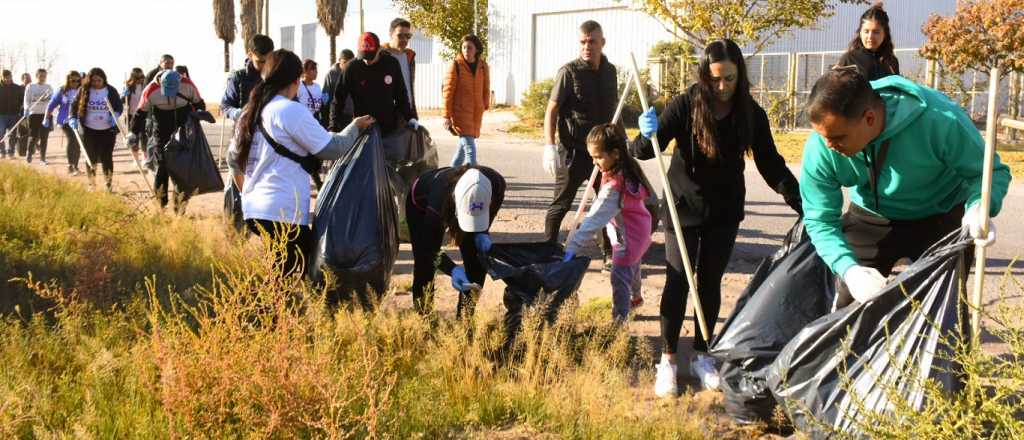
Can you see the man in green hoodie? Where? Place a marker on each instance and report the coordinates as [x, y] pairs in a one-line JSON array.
[[913, 162]]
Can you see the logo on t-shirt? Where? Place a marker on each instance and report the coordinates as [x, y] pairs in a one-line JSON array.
[[388, 80]]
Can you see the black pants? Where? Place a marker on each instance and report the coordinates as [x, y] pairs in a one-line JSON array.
[[99, 146], [879, 243], [709, 247], [22, 139], [38, 136], [74, 151], [567, 183], [426, 246], [161, 182], [298, 240]]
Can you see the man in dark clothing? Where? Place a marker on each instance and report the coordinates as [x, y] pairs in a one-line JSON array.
[[584, 95], [374, 82], [11, 97], [242, 81], [331, 81], [166, 63]]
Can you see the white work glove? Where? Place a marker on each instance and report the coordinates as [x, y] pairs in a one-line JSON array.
[[552, 160], [972, 221], [865, 283]]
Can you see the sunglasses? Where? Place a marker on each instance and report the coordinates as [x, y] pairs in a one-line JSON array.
[[405, 36]]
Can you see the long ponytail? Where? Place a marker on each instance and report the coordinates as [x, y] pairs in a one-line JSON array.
[[282, 70]]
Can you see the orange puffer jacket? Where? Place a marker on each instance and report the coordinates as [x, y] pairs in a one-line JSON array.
[[466, 95]]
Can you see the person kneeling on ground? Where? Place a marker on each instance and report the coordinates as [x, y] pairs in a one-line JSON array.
[[619, 208], [276, 138], [464, 202]]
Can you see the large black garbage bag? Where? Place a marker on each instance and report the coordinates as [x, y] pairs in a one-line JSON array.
[[409, 153], [233, 206], [189, 161], [894, 342], [788, 291], [533, 272], [355, 225]]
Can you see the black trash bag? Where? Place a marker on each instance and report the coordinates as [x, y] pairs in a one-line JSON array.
[[409, 153], [233, 206], [189, 161], [807, 376], [532, 272], [356, 225], [788, 291]]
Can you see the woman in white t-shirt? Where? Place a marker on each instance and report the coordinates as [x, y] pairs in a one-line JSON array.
[[99, 130], [275, 186], [310, 93]]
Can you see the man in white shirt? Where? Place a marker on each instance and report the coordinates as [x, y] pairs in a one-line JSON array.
[[37, 97]]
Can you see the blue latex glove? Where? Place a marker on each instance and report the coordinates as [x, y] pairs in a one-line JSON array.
[[46, 123], [73, 123], [648, 122], [483, 242], [413, 124], [325, 99], [234, 113], [568, 256], [460, 281]]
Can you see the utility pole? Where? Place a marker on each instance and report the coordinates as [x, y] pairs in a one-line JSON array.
[[476, 28], [361, 16]]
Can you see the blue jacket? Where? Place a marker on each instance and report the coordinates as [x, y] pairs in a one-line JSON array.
[[240, 84], [63, 102]]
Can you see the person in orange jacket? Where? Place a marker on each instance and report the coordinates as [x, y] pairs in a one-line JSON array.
[[466, 95]]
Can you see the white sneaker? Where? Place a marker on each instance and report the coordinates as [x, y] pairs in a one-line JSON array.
[[665, 380], [703, 368]]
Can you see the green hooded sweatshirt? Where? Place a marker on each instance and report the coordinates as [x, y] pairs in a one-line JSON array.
[[934, 163]]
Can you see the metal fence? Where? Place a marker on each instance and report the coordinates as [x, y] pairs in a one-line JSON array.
[[782, 81]]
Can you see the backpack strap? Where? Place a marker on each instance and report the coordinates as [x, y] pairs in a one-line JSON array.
[[308, 163]]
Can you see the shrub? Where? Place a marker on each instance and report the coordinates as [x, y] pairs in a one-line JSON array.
[[535, 102]]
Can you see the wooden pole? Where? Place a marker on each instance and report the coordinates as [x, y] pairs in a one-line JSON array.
[[124, 137], [670, 201], [984, 204]]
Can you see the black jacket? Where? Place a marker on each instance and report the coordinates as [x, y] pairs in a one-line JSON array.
[[240, 84], [869, 63], [377, 90], [585, 97], [11, 96], [714, 190]]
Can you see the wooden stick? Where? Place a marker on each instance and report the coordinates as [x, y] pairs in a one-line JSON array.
[[985, 203], [670, 201], [124, 136], [593, 173], [23, 117]]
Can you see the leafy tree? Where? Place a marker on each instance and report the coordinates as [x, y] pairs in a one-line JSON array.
[[756, 22], [448, 20], [981, 35]]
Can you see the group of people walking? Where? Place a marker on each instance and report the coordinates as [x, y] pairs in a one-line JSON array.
[[911, 158]]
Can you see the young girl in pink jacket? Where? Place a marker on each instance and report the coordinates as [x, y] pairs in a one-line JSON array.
[[619, 208]]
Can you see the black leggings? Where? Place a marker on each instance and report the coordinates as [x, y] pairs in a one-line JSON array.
[[161, 182], [879, 243], [426, 247], [709, 247], [298, 243], [567, 183], [99, 145], [73, 149], [38, 136]]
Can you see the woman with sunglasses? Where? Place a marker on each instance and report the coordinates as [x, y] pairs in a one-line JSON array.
[[63, 101]]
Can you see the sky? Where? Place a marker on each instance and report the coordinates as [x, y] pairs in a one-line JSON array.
[[117, 35]]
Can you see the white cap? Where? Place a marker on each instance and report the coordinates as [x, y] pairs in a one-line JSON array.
[[473, 201]]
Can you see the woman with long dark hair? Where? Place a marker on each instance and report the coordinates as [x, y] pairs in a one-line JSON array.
[[64, 101], [99, 129], [871, 49], [276, 141], [715, 124], [463, 202]]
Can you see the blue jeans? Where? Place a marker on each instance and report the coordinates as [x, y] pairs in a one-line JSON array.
[[625, 285], [6, 123], [465, 153]]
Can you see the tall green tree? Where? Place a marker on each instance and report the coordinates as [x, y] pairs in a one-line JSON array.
[[753, 22], [331, 14], [448, 20], [224, 26]]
